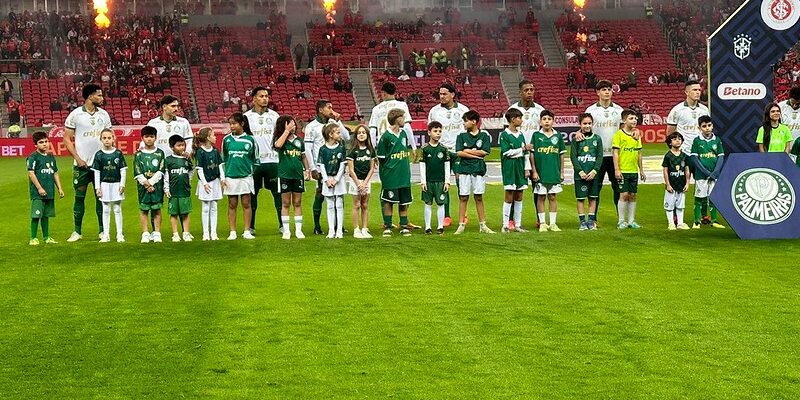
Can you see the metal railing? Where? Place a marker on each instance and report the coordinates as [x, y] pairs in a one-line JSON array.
[[357, 61]]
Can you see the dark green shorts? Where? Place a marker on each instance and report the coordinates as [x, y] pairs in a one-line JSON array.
[[150, 206], [291, 185], [82, 177], [266, 176], [629, 183], [43, 208], [180, 205], [434, 194], [584, 189], [400, 196]]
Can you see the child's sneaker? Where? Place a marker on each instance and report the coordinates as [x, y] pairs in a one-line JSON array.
[[505, 229], [412, 226], [622, 225], [104, 239], [339, 235], [247, 235], [365, 233], [447, 221], [682, 226], [429, 231], [440, 231], [146, 237], [176, 237], [232, 236], [460, 229], [120, 238], [634, 225], [34, 242], [671, 227], [584, 226], [405, 232], [206, 237], [520, 229], [156, 236], [318, 230], [331, 235], [187, 237], [50, 240], [357, 233], [387, 232], [717, 225], [554, 228], [299, 234], [485, 229], [592, 225], [696, 225], [706, 220], [543, 227], [74, 237]]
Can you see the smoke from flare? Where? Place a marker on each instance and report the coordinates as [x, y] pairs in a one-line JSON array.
[[101, 7]]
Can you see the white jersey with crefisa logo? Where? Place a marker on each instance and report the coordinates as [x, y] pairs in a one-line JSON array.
[[178, 126], [314, 139], [790, 117], [530, 119], [685, 120], [263, 128], [606, 123], [87, 129], [451, 121]]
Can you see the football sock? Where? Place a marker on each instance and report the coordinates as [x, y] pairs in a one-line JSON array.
[[106, 216], [404, 221], [592, 217], [285, 223], [212, 215], [622, 208], [582, 218], [506, 214], [78, 209], [298, 223], [518, 213], [387, 221], [339, 214], [440, 217], [679, 214], [98, 209], [670, 217], [317, 208], [705, 206], [34, 227], [553, 217], [45, 227], [698, 209], [631, 211], [428, 213], [540, 217], [205, 216], [276, 200], [253, 208], [713, 211], [447, 204], [117, 208], [331, 202]]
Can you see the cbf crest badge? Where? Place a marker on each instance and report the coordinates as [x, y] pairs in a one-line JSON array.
[[741, 46]]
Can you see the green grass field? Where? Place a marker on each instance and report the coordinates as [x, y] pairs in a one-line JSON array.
[[647, 314]]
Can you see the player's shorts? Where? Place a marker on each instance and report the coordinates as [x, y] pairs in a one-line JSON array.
[[588, 189], [703, 187], [629, 183], [291, 185], [150, 206], [146, 197], [82, 177], [266, 176], [434, 194], [353, 189], [471, 184], [215, 194], [339, 189], [179, 205], [239, 186], [110, 192], [41, 208], [674, 200], [400, 196], [547, 188]]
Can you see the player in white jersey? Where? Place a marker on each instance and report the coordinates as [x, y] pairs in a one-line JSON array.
[[448, 113], [531, 112], [683, 117], [82, 138], [377, 120], [790, 111], [262, 123], [314, 141], [168, 124]]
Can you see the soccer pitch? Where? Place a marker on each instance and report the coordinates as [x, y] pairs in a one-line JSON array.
[[604, 314]]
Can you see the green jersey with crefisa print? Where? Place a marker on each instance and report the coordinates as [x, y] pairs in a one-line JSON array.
[[676, 167], [109, 165], [434, 158], [45, 169], [290, 159], [331, 158], [479, 141], [393, 151], [239, 155], [587, 155], [547, 151], [362, 159], [707, 151], [512, 168], [147, 163], [180, 180]]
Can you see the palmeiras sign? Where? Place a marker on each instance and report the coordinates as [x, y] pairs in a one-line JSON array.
[[741, 55], [757, 193]]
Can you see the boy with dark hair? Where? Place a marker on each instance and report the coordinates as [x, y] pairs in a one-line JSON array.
[[44, 181], [178, 187], [148, 171], [471, 147], [707, 156], [434, 174], [547, 169], [676, 181]]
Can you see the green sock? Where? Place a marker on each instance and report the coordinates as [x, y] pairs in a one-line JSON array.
[[276, 199], [34, 227], [317, 208], [78, 209], [98, 209], [447, 204], [46, 227], [704, 210], [387, 221], [698, 209], [713, 210], [403, 221]]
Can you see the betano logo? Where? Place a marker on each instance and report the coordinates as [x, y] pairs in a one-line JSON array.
[[763, 196], [741, 91]]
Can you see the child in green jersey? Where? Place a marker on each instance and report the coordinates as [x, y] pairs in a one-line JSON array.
[[515, 167], [148, 171], [434, 177], [547, 168], [627, 169], [332, 165], [676, 181], [209, 188], [361, 166], [707, 156], [472, 146], [44, 181], [293, 171], [587, 162], [178, 187], [110, 168], [239, 159], [394, 152]]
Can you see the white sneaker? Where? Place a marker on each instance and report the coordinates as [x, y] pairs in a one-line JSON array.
[[485, 229], [187, 237], [339, 235], [145, 237], [543, 227], [365, 233], [248, 235], [105, 239], [74, 237], [190, 235], [206, 237], [287, 234], [460, 229], [299, 234], [331, 235], [671, 227], [682, 226], [156, 236], [120, 238], [232, 236], [554, 228], [214, 236], [176, 237], [357, 233]]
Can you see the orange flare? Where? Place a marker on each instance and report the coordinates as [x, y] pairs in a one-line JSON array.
[[101, 7]]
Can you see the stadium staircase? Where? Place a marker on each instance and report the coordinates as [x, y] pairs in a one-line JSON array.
[[510, 77], [189, 83], [16, 81], [299, 36], [362, 91], [551, 46]]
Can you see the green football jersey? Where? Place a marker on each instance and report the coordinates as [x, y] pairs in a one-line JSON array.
[[547, 151], [331, 158], [180, 179], [239, 155], [290, 159], [479, 141], [434, 158], [394, 152], [512, 168], [208, 161], [45, 169], [796, 152], [109, 165], [587, 155], [362, 159], [147, 164], [707, 151], [676, 165]]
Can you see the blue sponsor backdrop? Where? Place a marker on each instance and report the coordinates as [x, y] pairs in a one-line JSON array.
[[744, 50]]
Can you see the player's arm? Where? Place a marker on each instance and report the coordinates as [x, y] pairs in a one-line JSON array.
[[423, 180], [310, 145], [446, 175], [69, 142], [688, 175], [189, 139], [640, 162], [672, 121], [788, 147], [307, 170], [58, 184], [345, 132], [598, 159], [615, 157], [166, 184]]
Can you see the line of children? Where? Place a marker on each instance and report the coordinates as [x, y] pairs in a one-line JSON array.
[[360, 167], [332, 165], [110, 168], [44, 181], [434, 176]]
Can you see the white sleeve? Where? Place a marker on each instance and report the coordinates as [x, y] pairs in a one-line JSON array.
[[166, 181], [141, 179], [189, 138], [410, 133], [422, 171], [221, 172], [309, 140], [122, 173], [96, 178], [528, 165], [201, 177], [342, 169], [514, 153], [156, 177], [322, 171]]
